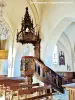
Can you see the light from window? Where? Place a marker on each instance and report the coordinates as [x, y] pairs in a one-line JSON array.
[[55, 55]]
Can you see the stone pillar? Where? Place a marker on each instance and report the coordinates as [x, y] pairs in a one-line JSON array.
[[37, 50]]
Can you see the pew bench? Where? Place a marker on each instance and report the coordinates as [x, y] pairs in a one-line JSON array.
[[25, 90], [10, 89], [32, 93]]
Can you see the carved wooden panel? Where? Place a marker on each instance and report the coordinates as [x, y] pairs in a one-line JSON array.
[[27, 66]]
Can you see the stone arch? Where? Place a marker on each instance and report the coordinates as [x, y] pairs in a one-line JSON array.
[[54, 37]]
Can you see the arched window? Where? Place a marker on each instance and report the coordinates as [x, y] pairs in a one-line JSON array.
[[55, 55]]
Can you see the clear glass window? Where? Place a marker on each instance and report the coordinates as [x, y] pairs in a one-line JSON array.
[[55, 55]]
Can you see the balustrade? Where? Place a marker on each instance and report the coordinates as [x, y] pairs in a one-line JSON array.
[[45, 74]]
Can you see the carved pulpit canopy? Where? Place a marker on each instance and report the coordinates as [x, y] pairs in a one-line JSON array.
[[27, 33]]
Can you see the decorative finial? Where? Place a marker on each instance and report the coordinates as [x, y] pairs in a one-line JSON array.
[[26, 8], [17, 30]]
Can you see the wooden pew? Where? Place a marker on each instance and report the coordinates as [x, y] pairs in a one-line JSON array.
[[38, 97], [15, 87], [11, 80], [19, 84], [26, 92], [7, 81], [12, 88]]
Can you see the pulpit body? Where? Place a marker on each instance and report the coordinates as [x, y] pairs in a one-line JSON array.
[[27, 67]]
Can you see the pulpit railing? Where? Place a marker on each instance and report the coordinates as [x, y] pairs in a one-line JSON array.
[[44, 73], [48, 76]]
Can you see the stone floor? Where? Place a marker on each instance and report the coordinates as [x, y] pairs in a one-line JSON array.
[[59, 96]]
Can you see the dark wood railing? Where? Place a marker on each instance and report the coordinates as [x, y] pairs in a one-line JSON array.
[[44, 73], [49, 76]]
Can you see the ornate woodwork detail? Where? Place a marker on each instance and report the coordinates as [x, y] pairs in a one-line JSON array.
[[27, 64], [27, 33], [43, 73]]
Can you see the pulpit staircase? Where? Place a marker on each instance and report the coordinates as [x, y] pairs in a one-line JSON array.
[[31, 66]]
